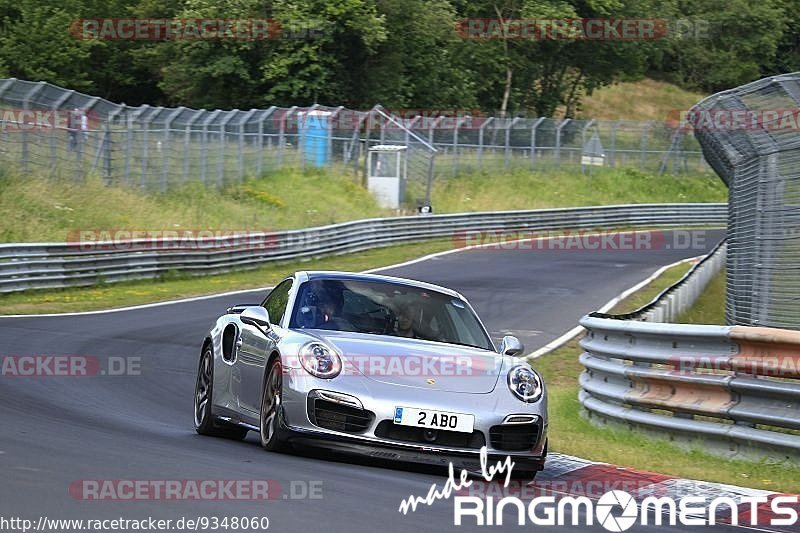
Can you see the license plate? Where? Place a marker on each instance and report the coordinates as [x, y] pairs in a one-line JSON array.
[[426, 418]]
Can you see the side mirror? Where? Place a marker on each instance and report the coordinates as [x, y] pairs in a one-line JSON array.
[[256, 316], [511, 346]]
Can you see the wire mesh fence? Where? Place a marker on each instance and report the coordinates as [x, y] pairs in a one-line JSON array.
[[51, 131], [750, 136]]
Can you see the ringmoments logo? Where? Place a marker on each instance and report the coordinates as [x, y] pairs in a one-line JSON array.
[[492, 503], [618, 511]]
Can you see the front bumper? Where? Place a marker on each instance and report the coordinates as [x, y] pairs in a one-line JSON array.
[[377, 437], [408, 452]]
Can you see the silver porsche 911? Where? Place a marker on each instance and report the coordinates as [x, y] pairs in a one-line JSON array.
[[379, 366]]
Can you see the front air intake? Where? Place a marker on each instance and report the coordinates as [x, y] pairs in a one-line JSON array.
[[338, 417]]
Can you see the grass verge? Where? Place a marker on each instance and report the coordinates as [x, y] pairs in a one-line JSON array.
[[646, 294], [710, 307], [572, 434], [35, 209], [523, 189]]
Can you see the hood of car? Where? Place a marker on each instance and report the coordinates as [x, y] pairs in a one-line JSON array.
[[416, 363]]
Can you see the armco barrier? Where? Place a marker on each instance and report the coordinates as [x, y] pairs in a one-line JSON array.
[[735, 387], [668, 305], [45, 265]]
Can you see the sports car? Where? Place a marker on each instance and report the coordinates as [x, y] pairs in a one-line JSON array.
[[379, 366]]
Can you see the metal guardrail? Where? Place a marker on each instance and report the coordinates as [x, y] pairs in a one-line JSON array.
[[26, 266], [668, 305], [735, 387]]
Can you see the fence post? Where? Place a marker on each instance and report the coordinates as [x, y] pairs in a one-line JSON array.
[[408, 133], [83, 136], [331, 121], [165, 146], [357, 146], [583, 143], [104, 148], [107, 143], [222, 141], [644, 146], [242, 122], [613, 148], [204, 143], [282, 134], [430, 180], [187, 142], [558, 140], [533, 139], [459, 120], [367, 134], [260, 161], [301, 133], [26, 105], [54, 133], [507, 159], [126, 172], [480, 142], [3, 88], [145, 147]]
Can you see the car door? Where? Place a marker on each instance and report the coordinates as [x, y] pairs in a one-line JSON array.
[[256, 347]]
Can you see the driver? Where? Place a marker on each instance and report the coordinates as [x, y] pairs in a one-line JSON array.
[[409, 314], [329, 304]]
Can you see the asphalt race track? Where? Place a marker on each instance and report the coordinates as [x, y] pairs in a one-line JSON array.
[[59, 430]]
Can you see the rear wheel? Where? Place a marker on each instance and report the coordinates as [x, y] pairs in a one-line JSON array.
[[204, 422], [272, 433]]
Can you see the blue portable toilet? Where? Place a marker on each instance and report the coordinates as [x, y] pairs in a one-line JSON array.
[[315, 135]]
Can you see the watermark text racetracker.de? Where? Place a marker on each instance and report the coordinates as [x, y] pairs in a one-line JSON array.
[[580, 240], [131, 490], [193, 29], [72, 366], [490, 503], [583, 29], [405, 365], [777, 120]]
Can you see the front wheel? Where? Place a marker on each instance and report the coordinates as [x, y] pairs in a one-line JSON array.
[[204, 422], [272, 433], [526, 476]]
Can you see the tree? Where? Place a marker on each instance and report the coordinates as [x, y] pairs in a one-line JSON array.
[[725, 43], [417, 65], [540, 73], [36, 43], [326, 66]]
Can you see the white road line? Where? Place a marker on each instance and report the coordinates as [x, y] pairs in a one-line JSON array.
[[142, 306], [372, 270], [569, 335]]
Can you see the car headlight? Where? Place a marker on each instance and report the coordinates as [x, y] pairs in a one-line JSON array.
[[525, 383], [320, 361]]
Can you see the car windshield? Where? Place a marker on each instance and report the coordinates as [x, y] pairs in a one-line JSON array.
[[387, 308]]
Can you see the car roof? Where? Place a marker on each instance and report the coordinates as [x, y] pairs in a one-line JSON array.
[[340, 275]]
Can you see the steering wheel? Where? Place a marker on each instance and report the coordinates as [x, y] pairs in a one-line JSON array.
[[389, 321]]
